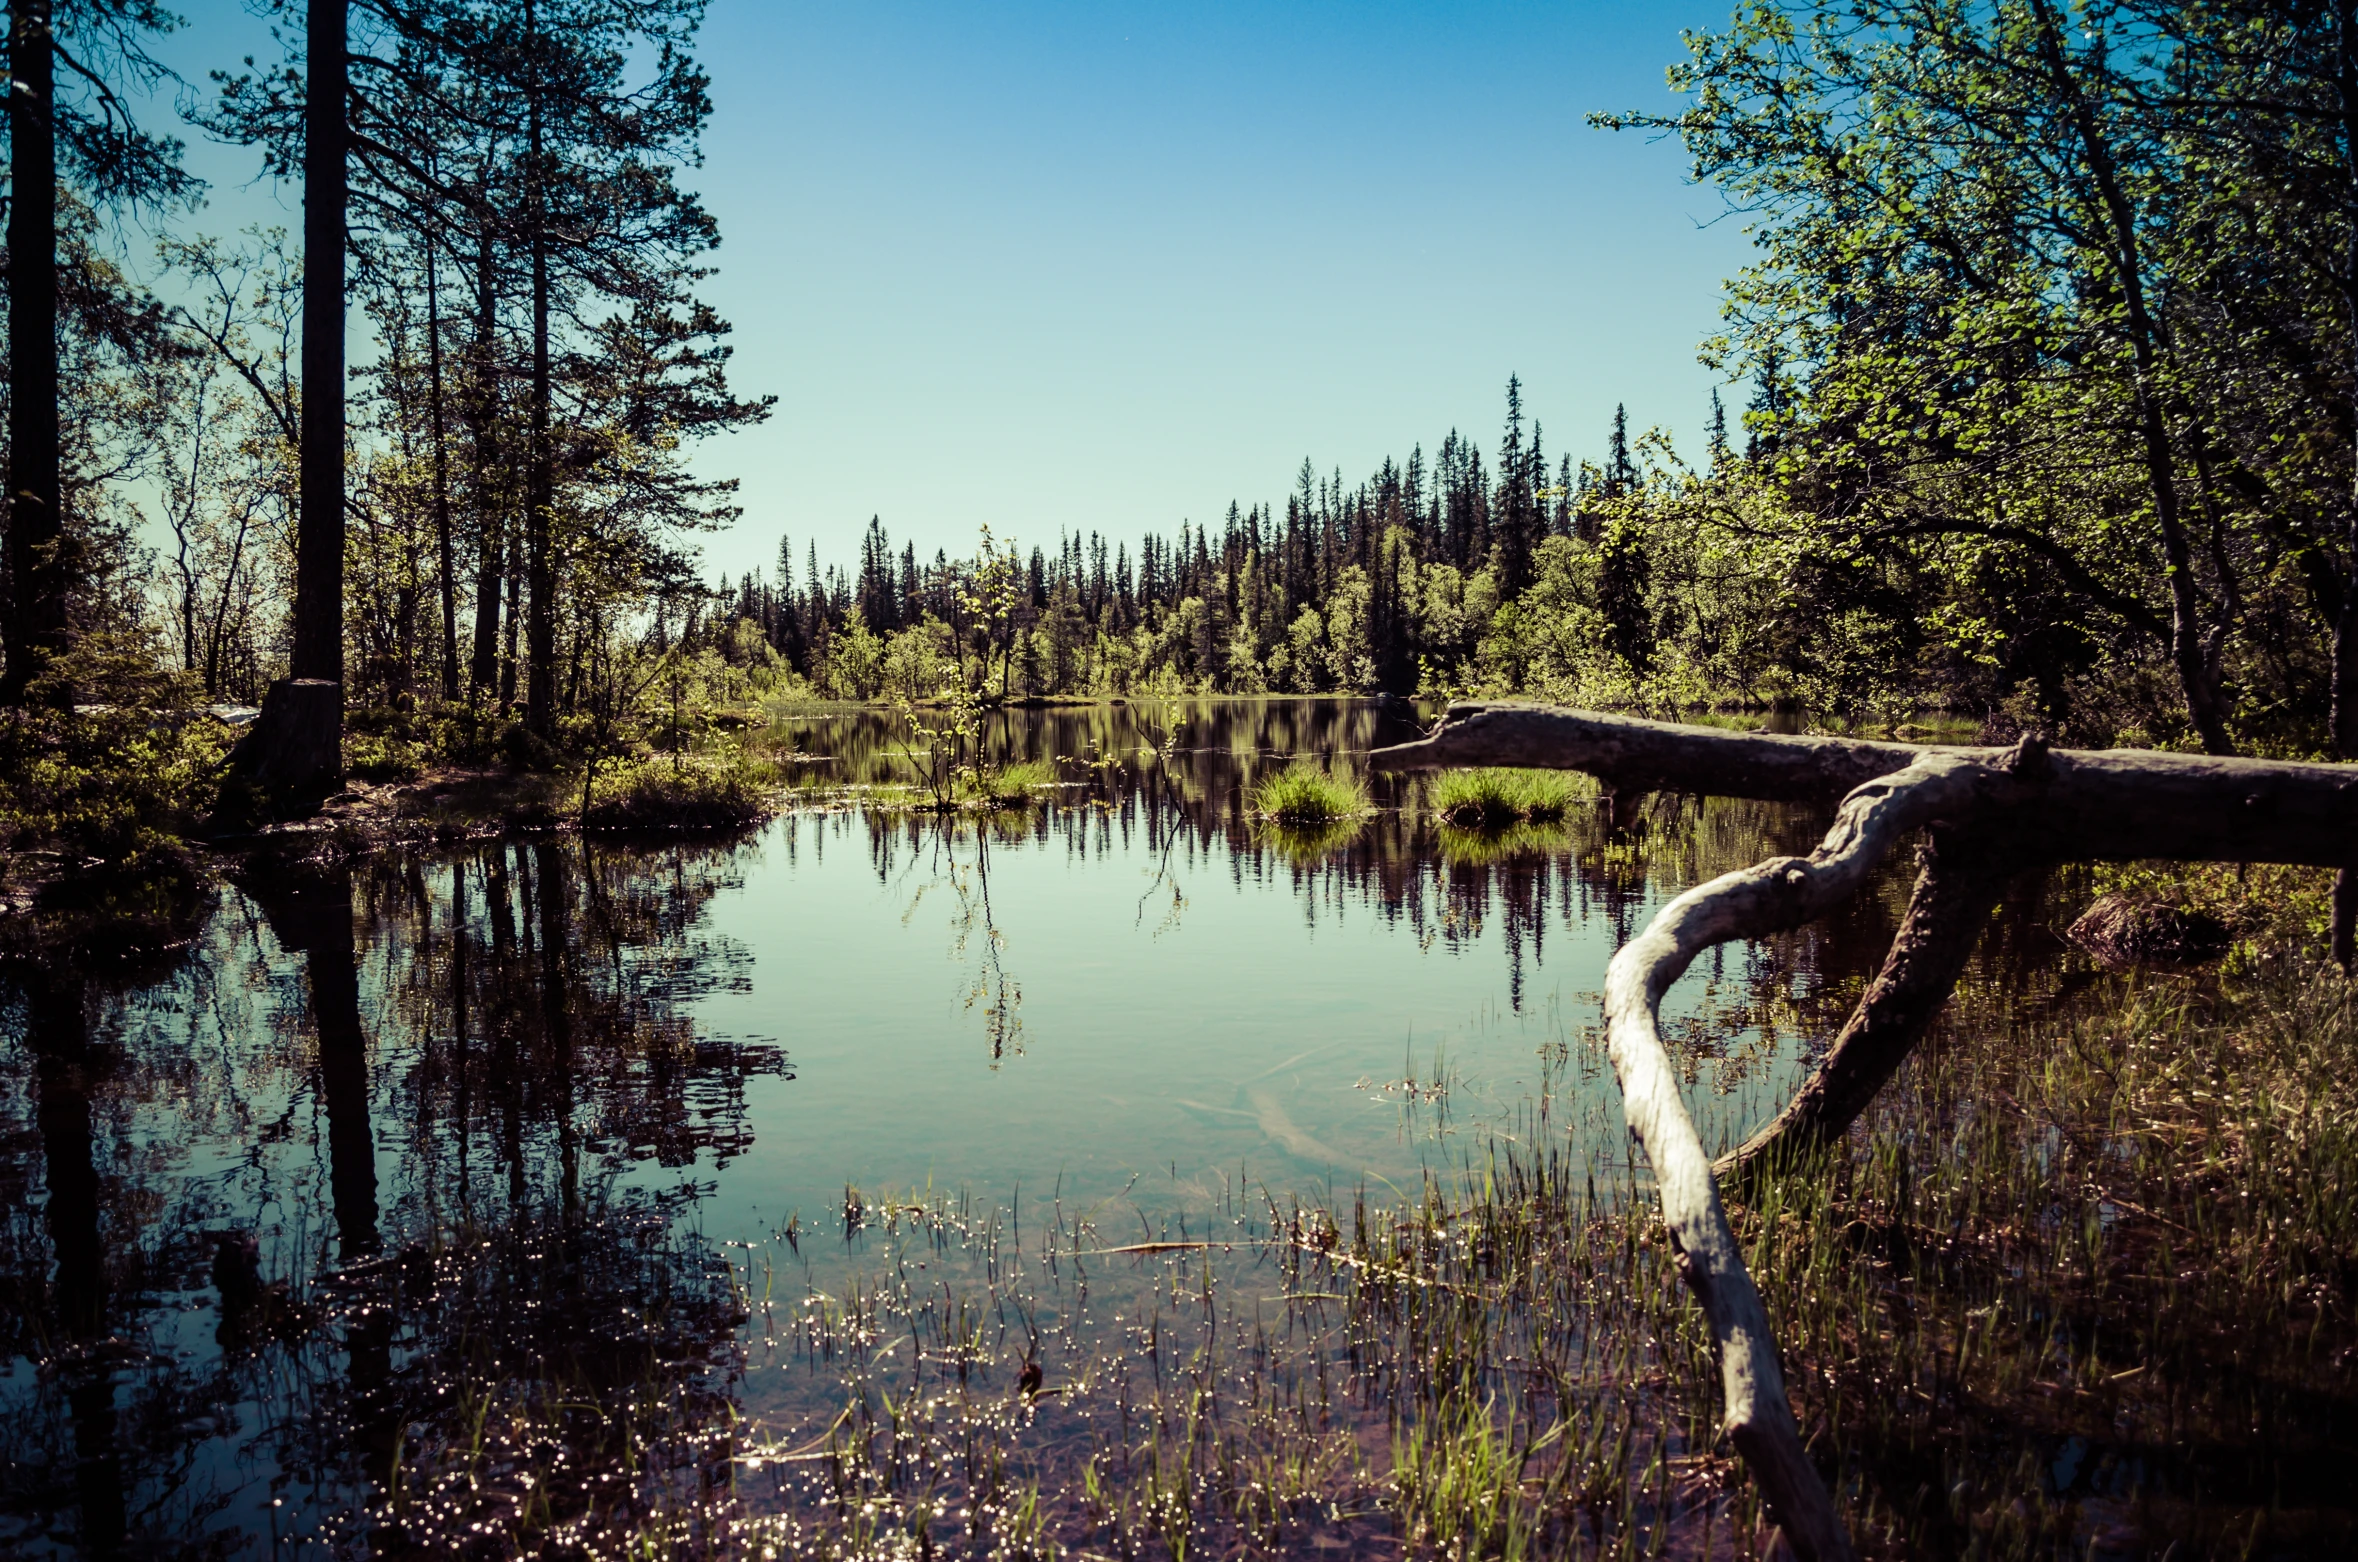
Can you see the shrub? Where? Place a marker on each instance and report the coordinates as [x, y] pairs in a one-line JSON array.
[[110, 791]]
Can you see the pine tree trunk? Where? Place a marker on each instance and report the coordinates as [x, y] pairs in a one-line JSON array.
[[2345, 631], [515, 586], [483, 416], [294, 754], [442, 540], [540, 637], [40, 559], [319, 539]]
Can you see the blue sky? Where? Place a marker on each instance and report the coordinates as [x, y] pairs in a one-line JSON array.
[[1108, 266]]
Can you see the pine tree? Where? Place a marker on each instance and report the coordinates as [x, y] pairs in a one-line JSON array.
[[81, 138]]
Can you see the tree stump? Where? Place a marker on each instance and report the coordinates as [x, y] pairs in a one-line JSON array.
[[293, 757]]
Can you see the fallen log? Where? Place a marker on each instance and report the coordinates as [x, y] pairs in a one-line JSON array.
[[1987, 813], [2109, 805]]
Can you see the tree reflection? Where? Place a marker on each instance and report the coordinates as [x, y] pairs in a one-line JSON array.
[[1173, 777], [260, 1265]]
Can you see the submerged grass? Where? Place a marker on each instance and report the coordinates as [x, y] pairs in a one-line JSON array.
[[1304, 795]]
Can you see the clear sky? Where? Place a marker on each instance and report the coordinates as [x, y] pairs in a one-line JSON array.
[[1111, 265]]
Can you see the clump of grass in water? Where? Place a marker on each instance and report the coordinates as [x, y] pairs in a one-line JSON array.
[[1499, 799], [1302, 795], [1008, 786]]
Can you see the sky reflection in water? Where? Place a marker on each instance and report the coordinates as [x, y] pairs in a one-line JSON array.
[[1131, 994]]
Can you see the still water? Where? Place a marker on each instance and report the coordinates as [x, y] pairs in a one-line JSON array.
[[1128, 998]]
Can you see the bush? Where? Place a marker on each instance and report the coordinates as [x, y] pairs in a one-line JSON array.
[[1305, 795], [110, 791]]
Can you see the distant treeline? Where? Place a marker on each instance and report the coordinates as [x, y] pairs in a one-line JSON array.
[[1390, 585]]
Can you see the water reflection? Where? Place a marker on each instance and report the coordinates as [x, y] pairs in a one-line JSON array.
[[404, 1148]]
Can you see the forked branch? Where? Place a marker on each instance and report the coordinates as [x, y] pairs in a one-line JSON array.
[[1989, 811]]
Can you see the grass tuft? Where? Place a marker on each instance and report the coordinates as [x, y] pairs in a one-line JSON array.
[[1497, 799], [1009, 786], [1304, 795]]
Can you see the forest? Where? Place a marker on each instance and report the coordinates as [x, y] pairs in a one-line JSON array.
[[2045, 362], [456, 942]]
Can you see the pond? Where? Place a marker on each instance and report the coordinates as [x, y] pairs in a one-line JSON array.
[[396, 1132]]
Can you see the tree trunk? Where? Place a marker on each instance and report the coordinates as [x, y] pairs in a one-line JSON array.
[[319, 539], [2345, 629], [2188, 653], [483, 416], [294, 754], [1987, 811], [540, 497], [1957, 887], [515, 586], [40, 558], [444, 561]]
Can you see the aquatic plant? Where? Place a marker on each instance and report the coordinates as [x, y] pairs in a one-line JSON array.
[[1007, 786], [1494, 799], [1303, 794]]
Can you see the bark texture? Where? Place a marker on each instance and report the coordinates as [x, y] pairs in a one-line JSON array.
[[2111, 805], [293, 756]]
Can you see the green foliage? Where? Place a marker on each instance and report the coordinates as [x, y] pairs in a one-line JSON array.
[[1303, 794], [1008, 786], [1494, 799], [667, 796], [2047, 307], [110, 791], [388, 745]]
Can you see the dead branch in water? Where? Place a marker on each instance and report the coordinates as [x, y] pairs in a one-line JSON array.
[[1988, 812]]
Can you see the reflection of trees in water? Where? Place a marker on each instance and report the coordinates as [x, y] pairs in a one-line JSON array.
[[541, 991], [952, 855], [381, 1118], [1185, 807]]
